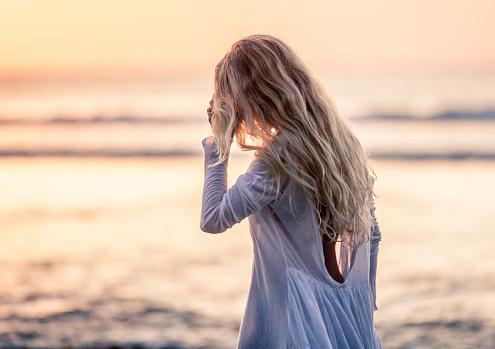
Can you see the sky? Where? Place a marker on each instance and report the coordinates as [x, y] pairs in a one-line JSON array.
[[143, 37]]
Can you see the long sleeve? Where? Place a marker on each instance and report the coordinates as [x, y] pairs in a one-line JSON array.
[[376, 237], [222, 207]]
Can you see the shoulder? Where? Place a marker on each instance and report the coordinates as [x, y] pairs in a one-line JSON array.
[[208, 142], [258, 165]]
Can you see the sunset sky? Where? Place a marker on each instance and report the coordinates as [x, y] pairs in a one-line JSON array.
[[129, 37]]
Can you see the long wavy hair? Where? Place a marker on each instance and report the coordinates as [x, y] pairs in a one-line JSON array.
[[264, 92]]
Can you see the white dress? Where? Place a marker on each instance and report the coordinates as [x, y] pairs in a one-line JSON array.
[[293, 302]]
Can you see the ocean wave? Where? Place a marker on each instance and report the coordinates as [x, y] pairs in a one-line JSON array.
[[460, 155], [98, 153], [111, 153], [449, 115], [102, 120]]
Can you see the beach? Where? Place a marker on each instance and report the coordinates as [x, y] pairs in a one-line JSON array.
[[103, 109], [97, 252], [100, 195]]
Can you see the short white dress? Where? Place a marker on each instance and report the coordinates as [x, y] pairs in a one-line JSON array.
[[293, 302]]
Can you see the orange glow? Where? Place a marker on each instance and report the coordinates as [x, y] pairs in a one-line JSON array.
[[152, 36]]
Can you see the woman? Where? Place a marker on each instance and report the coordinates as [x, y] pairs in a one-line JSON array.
[[308, 191]]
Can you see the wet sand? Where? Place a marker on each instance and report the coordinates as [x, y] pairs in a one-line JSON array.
[[101, 252]]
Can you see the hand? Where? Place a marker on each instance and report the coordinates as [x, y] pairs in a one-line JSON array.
[[209, 111]]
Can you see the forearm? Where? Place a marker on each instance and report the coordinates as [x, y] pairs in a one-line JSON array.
[[215, 187], [373, 269], [222, 207], [375, 238]]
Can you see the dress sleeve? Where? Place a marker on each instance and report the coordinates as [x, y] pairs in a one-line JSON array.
[[222, 207], [376, 237]]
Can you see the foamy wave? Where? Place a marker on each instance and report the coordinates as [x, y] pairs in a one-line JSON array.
[[114, 153], [102, 120], [449, 115], [97, 153]]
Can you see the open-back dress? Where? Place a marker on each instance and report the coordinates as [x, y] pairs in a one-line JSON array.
[[293, 302]]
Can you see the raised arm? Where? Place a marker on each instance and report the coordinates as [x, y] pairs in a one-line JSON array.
[[376, 237], [222, 208]]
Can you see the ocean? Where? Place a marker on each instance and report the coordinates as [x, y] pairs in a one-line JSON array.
[[395, 115], [100, 196]]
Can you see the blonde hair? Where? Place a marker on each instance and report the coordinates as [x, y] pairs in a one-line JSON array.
[[264, 92]]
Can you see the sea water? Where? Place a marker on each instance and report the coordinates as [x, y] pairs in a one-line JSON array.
[[395, 115], [100, 194]]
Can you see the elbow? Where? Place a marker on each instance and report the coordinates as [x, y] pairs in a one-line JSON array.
[[213, 222], [376, 234], [376, 238], [209, 227]]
